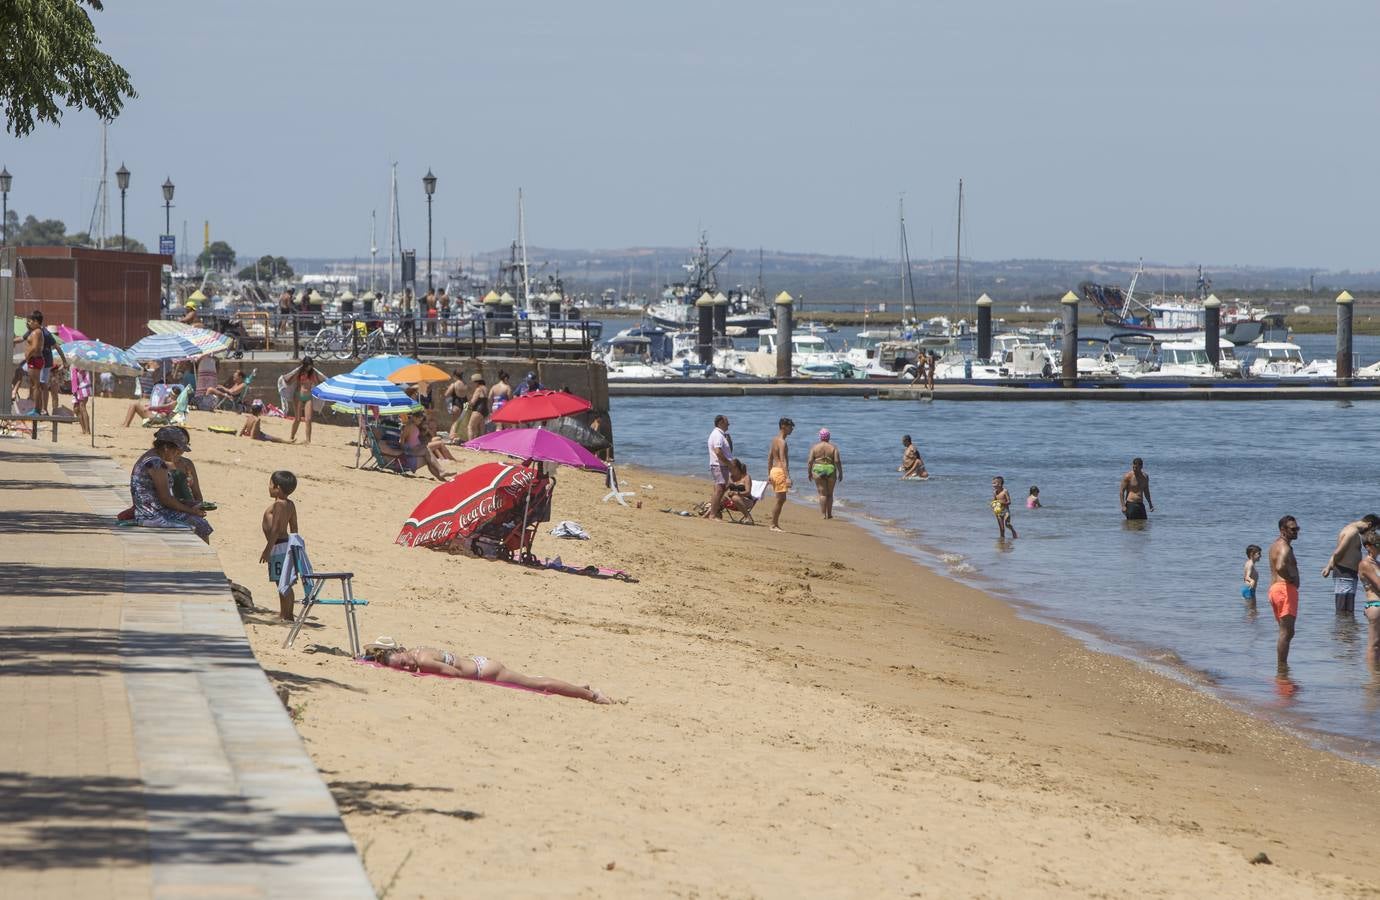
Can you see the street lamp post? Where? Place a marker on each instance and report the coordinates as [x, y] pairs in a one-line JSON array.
[[122, 179], [428, 182], [5, 179], [168, 188]]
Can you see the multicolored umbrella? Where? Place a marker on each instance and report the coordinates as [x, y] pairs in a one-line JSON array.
[[537, 406], [418, 373], [467, 502], [180, 345], [98, 356], [167, 326], [358, 392], [383, 365], [538, 444]]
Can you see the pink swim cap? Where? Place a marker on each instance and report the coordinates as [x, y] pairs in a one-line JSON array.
[[824, 434]]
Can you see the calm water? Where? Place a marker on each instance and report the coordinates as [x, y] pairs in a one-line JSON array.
[[1222, 475]]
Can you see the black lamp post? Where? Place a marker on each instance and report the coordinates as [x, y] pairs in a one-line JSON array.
[[168, 188], [5, 179], [428, 182], [122, 179]]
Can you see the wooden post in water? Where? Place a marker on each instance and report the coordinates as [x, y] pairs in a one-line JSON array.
[[784, 328], [1212, 309], [720, 314], [1345, 304], [705, 346], [984, 340], [1069, 304]]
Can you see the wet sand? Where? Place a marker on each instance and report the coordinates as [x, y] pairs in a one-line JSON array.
[[807, 713]]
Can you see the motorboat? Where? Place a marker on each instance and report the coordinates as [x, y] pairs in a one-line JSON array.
[[1279, 360], [811, 357], [630, 357]]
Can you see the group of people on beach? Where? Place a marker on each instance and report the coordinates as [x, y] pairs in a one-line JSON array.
[[733, 487]]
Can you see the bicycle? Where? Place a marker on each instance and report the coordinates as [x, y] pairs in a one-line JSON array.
[[329, 342]]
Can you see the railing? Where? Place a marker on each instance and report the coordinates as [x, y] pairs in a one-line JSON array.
[[348, 335]]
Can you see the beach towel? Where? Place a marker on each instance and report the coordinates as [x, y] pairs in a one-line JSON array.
[[590, 571], [570, 530], [288, 577]]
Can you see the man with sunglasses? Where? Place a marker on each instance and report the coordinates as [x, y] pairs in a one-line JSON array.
[[1284, 586]]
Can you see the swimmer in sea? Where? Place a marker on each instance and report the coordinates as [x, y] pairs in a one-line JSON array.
[[1001, 508], [912, 466], [390, 653], [1249, 577], [1135, 491]]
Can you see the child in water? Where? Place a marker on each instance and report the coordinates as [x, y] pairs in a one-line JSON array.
[[1248, 574], [1033, 501], [1001, 507]]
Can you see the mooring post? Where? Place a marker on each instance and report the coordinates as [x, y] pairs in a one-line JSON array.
[[784, 327], [1345, 304], [1212, 307], [1069, 303], [705, 348], [720, 314], [984, 342]]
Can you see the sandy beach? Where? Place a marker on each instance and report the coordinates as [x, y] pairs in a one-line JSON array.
[[807, 714]]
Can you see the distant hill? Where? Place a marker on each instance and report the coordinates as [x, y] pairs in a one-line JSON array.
[[826, 281]]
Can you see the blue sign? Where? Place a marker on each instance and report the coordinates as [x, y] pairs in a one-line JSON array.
[[167, 244]]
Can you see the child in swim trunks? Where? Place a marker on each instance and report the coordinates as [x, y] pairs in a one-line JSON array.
[[280, 521], [1248, 574], [1001, 508]]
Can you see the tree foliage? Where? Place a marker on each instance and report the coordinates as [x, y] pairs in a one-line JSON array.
[[50, 59], [268, 268], [219, 256], [35, 232]]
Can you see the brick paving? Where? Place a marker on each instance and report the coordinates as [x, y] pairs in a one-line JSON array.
[[143, 752]]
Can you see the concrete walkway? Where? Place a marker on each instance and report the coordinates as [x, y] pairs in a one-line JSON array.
[[142, 751]]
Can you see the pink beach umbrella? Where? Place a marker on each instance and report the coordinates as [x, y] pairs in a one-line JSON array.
[[538, 444], [66, 334]]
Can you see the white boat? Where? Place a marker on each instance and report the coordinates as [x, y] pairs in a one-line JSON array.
[[1185, 359], [1018, 360], [811, 357], [1279, 360], [630, 357]]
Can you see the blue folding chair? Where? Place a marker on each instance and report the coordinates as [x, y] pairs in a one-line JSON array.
[[312, 582]]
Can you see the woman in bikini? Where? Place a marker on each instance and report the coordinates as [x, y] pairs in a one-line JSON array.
[[825, 468], [431, 660], [479, 406], [301, 380], [1369, 572]]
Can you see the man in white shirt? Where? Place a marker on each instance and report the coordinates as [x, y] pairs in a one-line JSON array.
[[720, 455]]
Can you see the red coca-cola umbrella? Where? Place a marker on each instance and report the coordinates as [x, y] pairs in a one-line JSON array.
[[463, 505], [537, 406]]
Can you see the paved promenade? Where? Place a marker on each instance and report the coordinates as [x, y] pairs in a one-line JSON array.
[[142, 753]]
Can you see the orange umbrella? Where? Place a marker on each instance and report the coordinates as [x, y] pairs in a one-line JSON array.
[[418, 373]]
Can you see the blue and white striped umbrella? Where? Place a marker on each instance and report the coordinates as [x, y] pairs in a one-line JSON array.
[[357, 392], [182, 345], [383, 365], [98, 356]]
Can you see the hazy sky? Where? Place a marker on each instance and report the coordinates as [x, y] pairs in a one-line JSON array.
[[1183, 132]]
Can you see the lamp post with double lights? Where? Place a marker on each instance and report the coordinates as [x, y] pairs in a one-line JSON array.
[[168, 188], [122, 179], [428, 182], [5, 180]]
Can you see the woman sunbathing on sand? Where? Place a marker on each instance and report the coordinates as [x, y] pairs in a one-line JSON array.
[[388, 652]]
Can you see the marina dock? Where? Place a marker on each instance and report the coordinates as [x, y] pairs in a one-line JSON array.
[[1010, 391]]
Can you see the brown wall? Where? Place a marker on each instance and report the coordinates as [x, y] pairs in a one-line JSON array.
[[107, 294]]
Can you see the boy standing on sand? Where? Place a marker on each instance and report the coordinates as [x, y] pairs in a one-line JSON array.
[[1248, 574], [1284, 586], [779, 469], [1001, 508], [280, 521]]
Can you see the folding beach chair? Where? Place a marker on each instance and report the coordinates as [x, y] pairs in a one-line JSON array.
[[236, 404], [738, 505], [312, 582], [616, 493], [386, 462], [176, 415]]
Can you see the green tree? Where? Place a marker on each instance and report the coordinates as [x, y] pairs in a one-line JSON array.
[[50, 59], [35, 233], [268, 268], [219, 256]]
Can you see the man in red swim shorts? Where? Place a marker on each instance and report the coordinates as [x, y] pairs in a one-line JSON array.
[[1284, 586]]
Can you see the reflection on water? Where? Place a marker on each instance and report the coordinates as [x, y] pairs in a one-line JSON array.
[[1222, 475]]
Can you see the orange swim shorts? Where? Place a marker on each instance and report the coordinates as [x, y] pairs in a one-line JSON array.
[[779, 482], [1284, 597]]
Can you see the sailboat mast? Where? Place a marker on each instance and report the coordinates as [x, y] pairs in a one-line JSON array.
[[392, 217], [373, 247], [907, 276], [958, 254], [522, 242]]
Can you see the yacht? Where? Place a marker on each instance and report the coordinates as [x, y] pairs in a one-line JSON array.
[[1277, 360], [811, 357], [629, 357]]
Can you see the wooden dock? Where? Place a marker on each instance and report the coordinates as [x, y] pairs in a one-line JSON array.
[[1013, 391]]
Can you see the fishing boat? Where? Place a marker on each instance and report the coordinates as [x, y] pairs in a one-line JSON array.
[[1241, 323], [747, 313]]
